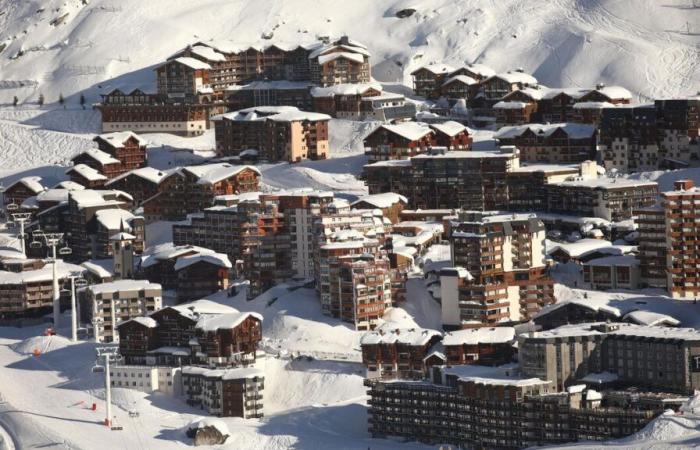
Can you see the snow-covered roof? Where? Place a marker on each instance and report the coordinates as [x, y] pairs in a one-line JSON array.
[[225, 321], [548, 168], [87, 172], [197, 308], [480, 69], [122, 285], [147, 173], [650, 318], [530, 92], [605, 183], [450, 128], [207, 53], [53, 195], [515, 76], [101, 268], [585, 303], [462, 79], [436, 69], [122, 236], [345, 89], [474, 336], [39, 275], [276, 113], [175, 351], [271, 85], [683, 334], [573, 130], [615, 92], [32, 183], [206, 422], [384, 200], [510, 105], [98, 155], [386, 334], [224, 374], [574, 92], [409, 130], [169, 251], [145, 321], [117, 138], [579, 248], [459, 154], [600, 378], [94, 197], [614, 260], [217, 259], [69, 186], [593, 105], [349, 46], [190, 62], [358, 58], [115, 219], [213, 173]]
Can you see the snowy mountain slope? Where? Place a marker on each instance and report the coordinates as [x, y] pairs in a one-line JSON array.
[[650, 46]]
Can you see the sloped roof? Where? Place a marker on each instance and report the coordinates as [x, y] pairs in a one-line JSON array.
[[409, 130], [87, 172]]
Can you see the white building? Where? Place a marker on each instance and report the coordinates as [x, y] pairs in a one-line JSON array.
[[147, 379]]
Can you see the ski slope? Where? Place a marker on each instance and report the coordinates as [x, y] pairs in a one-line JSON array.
[[649, 46]]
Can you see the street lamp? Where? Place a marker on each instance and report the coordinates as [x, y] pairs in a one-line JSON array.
[[52, 240]]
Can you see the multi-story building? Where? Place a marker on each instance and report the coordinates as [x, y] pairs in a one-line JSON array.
[[26, 290], [199, 333], [193, 188], [552, 143], [343, 61], [147, 379], [90, 218], [428, 80], [474, 180], [484, 346], [127, 147], [398, 141], [499, 85], [272, 93], [389, 203], [498, 411], [117, 301], [182, 77], [153, 113], [499, 273], [611, 199], [101, 161], [225, 392], [527, 184], [201, 274], [19, 191], [361, 102], [682, 210], [86, 176], [141, 184], [397, 353], [277, 133], [658, 358]]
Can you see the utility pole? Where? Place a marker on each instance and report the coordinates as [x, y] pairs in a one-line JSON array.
[[52, 240], [76, 279], [21, 218], [109, 354]]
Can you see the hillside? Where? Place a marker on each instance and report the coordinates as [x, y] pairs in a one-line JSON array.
[[67, 46]]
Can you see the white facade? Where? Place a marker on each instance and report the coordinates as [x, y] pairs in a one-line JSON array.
[[147, 379]]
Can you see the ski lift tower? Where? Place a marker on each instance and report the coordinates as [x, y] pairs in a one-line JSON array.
[[109, 355], [21, 219], [76, 280], [52, 240]]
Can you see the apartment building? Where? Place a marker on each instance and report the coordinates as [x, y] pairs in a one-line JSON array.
[[193, 188], [398, 141], [557, 143], [498, 411], [611, 199], [147, 379], [26, 290], [201, 274], [126, 146], [277, 133], [152, 113], [682, 210], [398, 353], [117, 301], [141, 184], [428, 80], [22, 189], [474, 180], [198, 333], [484, 346], [499, 273], [343, 61], [182, 77], [651, 357], [271, 93], [365, 101], [100, 161], [225, 392]]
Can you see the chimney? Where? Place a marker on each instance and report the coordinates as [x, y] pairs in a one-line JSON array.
[[600, 86], [683, 185], [344, 40]]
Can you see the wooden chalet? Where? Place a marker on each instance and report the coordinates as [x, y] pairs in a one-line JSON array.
[[127, 147], [22, 189], [86, 176], [398, 141], [141, 183], [101, 161], [201, 274]]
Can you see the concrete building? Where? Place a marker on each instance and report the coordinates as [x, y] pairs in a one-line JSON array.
[[225, 392], [147, 379], [121, 300]]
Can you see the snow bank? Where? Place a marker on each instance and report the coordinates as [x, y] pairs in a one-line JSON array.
[[44, 344]]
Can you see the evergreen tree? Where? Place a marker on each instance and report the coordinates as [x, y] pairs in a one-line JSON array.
[[82, 101], [60, 99], [41, 99], [15, 100]]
